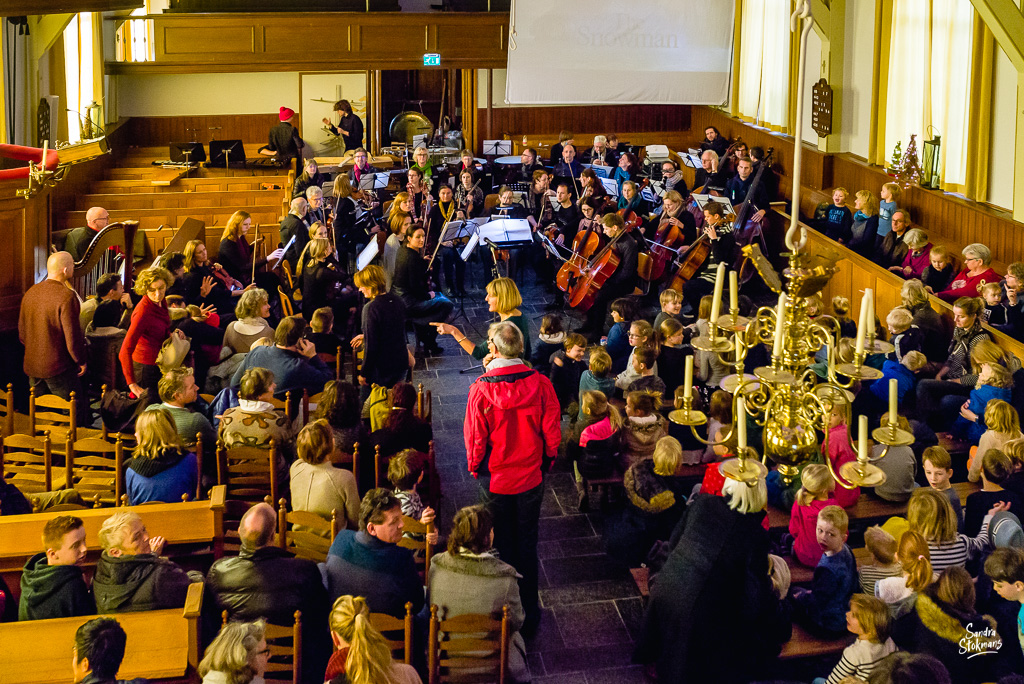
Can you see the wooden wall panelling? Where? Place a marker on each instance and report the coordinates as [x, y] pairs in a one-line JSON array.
[[230, 42], [163, 130], [517, 121], [26, 239]]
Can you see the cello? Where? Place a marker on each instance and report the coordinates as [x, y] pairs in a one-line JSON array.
[[598, 271], [666, 245], [584, 245]]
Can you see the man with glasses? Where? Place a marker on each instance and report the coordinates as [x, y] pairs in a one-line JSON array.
[[78, 240], [362, 166], [892, 250]]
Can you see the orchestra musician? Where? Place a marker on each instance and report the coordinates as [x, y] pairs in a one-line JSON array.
[[566, 217], [349, 125], [208, 283], [235, 252], [284, 142], [310, 176], [568, 167], [709, 176], [453, 268], [399, 225], [422, 306], [739, 187], [564, 138], [599, 154], [362, 165], [319, 277], [422, 163], [318, 210], [402, 202], [294, 225], [674, 212], [621, 283], [507, 205], [591, 186], [468, 162], [524, 174], [632, 200], [769, 180], [720, 232], [713, 140], [672, 177], [732, 159], [469, 198], [344, 214], [538, 202], [627, 170], [418, 190]]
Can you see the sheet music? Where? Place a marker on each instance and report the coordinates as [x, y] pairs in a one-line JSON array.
[[610, 186], [600, 171], [284, 251], [692, 160], [367, 255], [470, 246]]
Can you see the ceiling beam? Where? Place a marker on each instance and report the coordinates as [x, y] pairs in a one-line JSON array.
[[1006, 22]]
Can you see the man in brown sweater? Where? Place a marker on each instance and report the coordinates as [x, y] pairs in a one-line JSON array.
[[55, 352]]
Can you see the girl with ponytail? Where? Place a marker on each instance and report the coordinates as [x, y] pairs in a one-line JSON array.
[[915, 558], [361, 654]]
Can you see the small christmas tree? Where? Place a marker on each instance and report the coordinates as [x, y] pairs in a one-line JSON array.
[[909, 171], [897, 154]]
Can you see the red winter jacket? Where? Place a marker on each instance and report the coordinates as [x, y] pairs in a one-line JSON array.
[[513, 423]]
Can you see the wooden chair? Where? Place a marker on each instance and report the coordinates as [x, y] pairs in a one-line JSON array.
[[286, 303], [230, 520], [27, 463], [468, 648], [285, 644], [249, 473], [351, 460], [398, 633], [7, 409], [50, 412], [491, 201], [95, 468], [296, 294], [284, 405], [414, 526], [299, 532]]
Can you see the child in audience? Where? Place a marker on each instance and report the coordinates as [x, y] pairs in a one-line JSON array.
[[1003, 425], [322, 335], [993, 383], [1005, 567], [1014, 450], [1013, 301], [838, 450], [567, 368], [930, 513], [914, 559], [707, 366], [644, 361], [899, 466], [405, 472], [841, 310], [996, 467], [671, 304], [868, 618], [882, 547], [641, 334], [873, 401], [821, 609], [672, 353], [939, 273], [814, 495], [890, 194], [719, 425], [938, 469], [693, 448], [618, 344], [903, 334], [994, 313], [839, 219], [550, 340], [598, 375], [605, 423], [644, 426]]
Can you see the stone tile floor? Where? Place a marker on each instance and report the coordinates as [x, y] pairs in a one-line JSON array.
[[591, 607]]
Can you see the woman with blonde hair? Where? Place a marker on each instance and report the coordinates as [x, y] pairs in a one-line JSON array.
[[386, 357], [400, 223], [1003, 425], [361, 653], [930, 514], [318, 278], [250, 322], [504, 299], [344, 210], [239, 655], [161, 468], [864, 232], [235, 252]]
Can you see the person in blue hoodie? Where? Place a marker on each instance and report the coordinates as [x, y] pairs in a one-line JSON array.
[[873, 401], [822, 608], [994, 382]]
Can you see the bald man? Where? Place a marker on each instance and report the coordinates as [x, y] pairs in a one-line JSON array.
[[77, 241], [48, 326]]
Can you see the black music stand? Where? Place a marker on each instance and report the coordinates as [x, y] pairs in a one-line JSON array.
[[456, 230], [188, 152], [223, 152]]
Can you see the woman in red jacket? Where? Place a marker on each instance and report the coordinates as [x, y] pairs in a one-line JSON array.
[[976, 272], [151, 325]]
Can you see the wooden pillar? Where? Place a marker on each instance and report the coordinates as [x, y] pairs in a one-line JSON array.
[[490, 100], [371, 105], [469, 127]]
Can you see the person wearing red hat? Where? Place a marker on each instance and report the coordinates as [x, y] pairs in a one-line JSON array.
[[285, 142]]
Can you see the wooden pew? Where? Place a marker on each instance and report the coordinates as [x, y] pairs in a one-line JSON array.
[[190, 184], [161, 644], [200, 199], [168, 176], [154, 218], [804, 645]]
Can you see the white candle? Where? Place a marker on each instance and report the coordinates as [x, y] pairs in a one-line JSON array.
[[741, 423], [862, 445], [734, 292], [688, 378], [869, 331], [892, 401], [780, 320], [862, 322], [716, 302]]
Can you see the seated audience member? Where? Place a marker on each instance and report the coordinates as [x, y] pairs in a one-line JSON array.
[[869, 620], [105, 338], [822, 608], [930, 514], [402, 429], [644, 363], [322, 335], [840, 453], [239, 653], [994, 383], [996, 467], [361, 653], [939, 273], [891, 249], [641, 334], [340, 406], [873, 400], [550, 340], [864, 231], [131, 576], [976, 272], [841, 312], [267, 582], [904, 336], [994, 313], [292, 360], [672, 352], [52, 585], [598, 375], [250, 322], [201, 326], [1012, 301], [316, 485], [1005, 568], [899, 466], [98, 652], [161, 468], [671, 304], [567, 367], [469, 579], [815, 493], [370, 563], [406, 471], [255, 421], [882, 547], [178, 389], [914, 298], [644, 426], [918, 254], [1003, 426], [838, 222], [900, 592], [939, 622], [109, 288], [938, 469]]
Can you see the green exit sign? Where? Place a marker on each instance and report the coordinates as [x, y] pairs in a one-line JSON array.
[[432, 59]]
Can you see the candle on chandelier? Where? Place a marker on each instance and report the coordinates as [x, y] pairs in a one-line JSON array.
[[780, 319], [862, 323], [862, 446], [688, 378], [741, 424], [716, 302], [734, 292], [892, 401]]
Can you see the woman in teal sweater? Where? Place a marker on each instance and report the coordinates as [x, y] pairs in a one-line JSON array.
[[504, 299]]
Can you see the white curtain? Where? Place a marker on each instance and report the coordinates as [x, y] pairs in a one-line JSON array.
[[80, 68], [929, 80], [763, 95]]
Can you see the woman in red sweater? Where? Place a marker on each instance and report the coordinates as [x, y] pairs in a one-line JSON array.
[[151, 325], [976, 272]]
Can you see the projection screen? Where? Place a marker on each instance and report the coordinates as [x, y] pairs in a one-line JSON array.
[[611, 51]]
